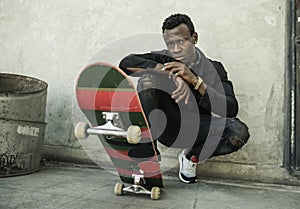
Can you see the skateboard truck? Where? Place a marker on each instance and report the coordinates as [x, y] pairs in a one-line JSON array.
[[136, 188], [112, 127], [114, 118]]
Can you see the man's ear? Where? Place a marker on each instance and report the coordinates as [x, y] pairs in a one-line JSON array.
[[195, 37]]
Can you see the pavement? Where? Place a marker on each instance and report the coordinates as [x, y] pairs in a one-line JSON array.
[[75, 187]]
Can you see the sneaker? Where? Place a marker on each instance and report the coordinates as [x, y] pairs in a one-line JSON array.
[[188, 168]]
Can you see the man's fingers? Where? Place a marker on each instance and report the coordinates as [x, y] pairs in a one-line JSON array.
[[178, 92], [183, 96], [181, 93], [173, 72], [170, 65], [181, 86], [170, 75], [187, 97], [167, 66]]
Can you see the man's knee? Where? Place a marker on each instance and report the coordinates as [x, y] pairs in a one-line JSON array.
[[147, 92], [146, 81], [238, 133]]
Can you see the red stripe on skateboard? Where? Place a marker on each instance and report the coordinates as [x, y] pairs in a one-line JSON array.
[[145, 133], [153, 175], [121, 155], [128, 173], [120, 101], [151, 168]]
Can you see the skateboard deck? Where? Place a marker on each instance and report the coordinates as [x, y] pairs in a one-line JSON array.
[[107, 97]]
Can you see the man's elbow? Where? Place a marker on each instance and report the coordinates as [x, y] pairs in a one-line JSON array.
[[126, 63], [232, 109]]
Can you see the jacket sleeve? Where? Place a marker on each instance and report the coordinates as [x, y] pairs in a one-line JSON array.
[[145, 61], [214, 99]]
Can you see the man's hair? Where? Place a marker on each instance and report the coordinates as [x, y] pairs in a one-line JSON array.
[[176, 19]]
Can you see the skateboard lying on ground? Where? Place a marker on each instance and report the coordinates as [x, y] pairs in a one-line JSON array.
[[107, 97]]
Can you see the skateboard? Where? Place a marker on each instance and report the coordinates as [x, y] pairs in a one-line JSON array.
[[109, 100]]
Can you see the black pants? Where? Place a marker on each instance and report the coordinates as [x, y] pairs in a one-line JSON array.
[[182, 126]]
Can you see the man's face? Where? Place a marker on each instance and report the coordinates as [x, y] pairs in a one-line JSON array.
[[180, 43]]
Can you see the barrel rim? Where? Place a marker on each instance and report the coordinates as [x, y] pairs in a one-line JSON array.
[[42, 83]]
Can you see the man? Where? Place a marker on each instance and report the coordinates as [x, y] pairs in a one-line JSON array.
[[193, 93]]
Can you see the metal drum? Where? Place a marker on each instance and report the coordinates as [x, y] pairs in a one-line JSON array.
[[22, 123]]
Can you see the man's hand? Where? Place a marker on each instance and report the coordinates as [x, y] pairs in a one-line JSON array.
[[180, 69], [159, 67], [182, 92]]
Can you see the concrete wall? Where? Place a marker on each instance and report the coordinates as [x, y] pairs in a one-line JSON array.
[[54, 39]]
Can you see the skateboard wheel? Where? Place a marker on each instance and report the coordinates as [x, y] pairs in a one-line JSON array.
[[155, 193], [133, 134], [119, 189], [80, 130]]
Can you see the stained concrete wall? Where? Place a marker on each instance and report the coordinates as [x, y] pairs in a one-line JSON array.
[[54, 39]]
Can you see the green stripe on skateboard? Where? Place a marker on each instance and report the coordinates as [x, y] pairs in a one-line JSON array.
[[102, 76]]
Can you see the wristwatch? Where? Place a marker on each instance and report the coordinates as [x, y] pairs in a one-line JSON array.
[[198, 84]]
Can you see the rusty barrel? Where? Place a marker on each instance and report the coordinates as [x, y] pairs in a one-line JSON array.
[[22, 123]]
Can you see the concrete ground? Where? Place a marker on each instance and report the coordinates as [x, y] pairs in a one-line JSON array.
[[73, 187]]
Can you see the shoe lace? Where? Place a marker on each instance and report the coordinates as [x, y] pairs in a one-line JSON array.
[[190, 167]]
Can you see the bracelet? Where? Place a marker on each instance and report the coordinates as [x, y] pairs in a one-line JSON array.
[[198, 84]]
